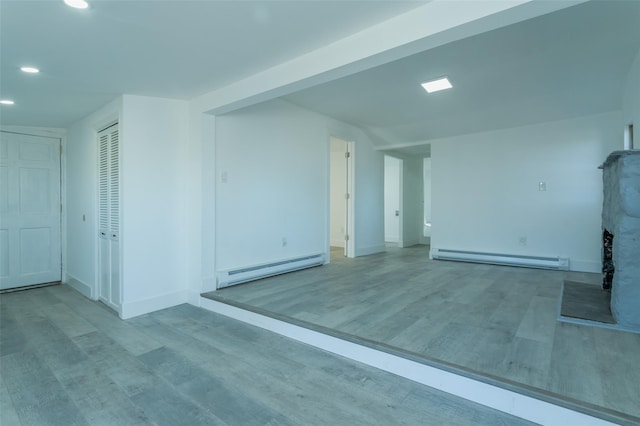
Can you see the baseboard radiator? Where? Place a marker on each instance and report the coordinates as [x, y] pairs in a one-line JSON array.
[[558, 263], [256, 272]]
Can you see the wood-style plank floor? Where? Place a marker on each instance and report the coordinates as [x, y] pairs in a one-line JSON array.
[[498, 321], [66, 360]]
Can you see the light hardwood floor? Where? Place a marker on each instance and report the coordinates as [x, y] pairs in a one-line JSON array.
[[68, 361], [497, 321]]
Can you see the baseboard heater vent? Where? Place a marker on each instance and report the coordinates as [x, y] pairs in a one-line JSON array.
[[250, 273], [557, 263]]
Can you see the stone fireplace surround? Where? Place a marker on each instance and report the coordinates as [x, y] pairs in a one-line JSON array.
[[621, 217]]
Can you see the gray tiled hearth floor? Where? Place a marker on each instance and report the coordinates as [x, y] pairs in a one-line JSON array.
[[498, 321], [66, 360]]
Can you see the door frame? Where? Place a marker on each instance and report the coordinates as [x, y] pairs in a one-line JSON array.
[[349, 250], [349, 247]]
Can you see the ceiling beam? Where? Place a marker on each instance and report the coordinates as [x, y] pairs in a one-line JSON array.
[[434, 24]]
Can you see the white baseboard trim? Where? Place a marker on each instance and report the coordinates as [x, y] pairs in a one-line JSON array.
[[408, 243], [79, 286], [194, 298], [209, 283], [337, 243], [363, 251], [585, 266], [391, 239], [141, 307], [504, 400]]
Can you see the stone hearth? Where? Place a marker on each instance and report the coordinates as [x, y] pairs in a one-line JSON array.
[[621, 218]]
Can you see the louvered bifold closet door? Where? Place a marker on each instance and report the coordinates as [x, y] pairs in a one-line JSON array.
[[103, 188], [109, 215], [114, 184]]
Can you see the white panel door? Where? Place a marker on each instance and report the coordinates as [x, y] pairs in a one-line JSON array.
[[29, 210], [392, 191]]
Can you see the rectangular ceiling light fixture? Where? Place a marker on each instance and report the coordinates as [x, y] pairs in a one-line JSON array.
[[437, 85]]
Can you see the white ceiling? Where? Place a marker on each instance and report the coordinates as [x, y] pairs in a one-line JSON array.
[[163, 48], [564, 64]]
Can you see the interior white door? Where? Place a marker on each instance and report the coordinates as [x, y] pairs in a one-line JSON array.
[[340, 195], [392, 190], [30, 251]]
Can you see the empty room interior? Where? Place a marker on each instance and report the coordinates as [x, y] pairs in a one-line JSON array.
[[320, 212]]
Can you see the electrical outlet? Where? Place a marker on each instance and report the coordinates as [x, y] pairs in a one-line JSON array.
[[542, 186], [522, 241], [224, 177], [284, 242]]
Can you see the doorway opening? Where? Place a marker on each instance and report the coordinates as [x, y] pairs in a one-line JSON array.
[[341, 238], [628, 137], [392, 201]]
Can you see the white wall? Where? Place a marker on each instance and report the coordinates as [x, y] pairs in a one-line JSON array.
[[369, 197], [153, 134], [631, 101], [485, 189], [200, 191], [338, 189], [154, 202], [81, 166], [392, 181], [275, 160]]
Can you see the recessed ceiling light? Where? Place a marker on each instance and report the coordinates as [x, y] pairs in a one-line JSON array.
[[78, 4], [6, 102], [30, 70], [436, 85]]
